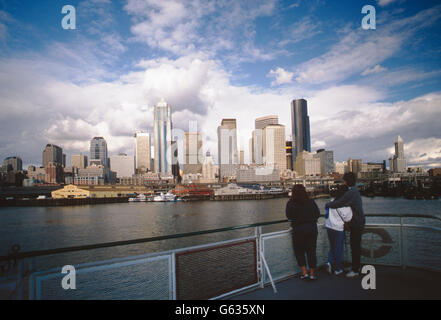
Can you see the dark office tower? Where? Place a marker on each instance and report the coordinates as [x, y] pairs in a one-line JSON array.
[[301, 140], [98, 151], [52, 153]]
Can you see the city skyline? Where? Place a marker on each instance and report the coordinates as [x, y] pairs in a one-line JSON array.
[[363, 87]]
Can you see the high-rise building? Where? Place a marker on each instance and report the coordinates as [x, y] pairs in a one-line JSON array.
[[143, 152], [301, 140], [399, 161], [289, 155], [208, 169], [326, 161], [354, 165], [274, 146], [123, 165], [79, 161], [242, 157], [306, 164], [52, 153], [98, 151], [260, 124], [251, 148], [341, 167], [192, 142], [54, 173], [12, 164], [162, 132], [227, 147]]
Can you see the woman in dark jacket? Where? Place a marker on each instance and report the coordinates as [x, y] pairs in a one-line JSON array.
[[303, 214]]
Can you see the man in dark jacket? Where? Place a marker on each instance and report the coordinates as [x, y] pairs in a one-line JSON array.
[[352, 199]]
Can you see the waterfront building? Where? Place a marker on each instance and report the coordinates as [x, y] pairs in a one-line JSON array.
[[143, 154], [123, 165], [192, 145], [12, 164], [258, 175], [301, 140], [227, 148], [326, 161], [70, 192], [307, 164], [274, 146], [399, 161], [98, 152], [79, 161], [52, 153], [162, 133]]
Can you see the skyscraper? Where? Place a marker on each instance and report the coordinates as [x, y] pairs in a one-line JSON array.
[[301, 140], [79, 161], [98, 151], [52, 153], [192, 142], [123, 165], [227, 147], [142, 152], [399, 161], [162, 132], [274, 146], [326, 161], [12, 164], [260, 124]]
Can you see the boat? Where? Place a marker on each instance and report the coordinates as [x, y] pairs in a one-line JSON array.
[[167, 197], [139, 198]]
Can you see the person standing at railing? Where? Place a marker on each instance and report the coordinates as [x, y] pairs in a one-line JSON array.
[[352, 199], [303, 214], [335, 225]]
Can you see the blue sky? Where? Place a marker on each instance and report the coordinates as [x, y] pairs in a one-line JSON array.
[[215, 59]]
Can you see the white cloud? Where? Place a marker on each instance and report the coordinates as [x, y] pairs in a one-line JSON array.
[[383, 3], [376, 69], [358, 49], [281, 76], [198, 26]]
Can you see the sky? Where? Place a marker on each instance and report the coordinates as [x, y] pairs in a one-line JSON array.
[[221, 59]]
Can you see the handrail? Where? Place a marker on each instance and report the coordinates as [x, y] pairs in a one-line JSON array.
[[37, 253]]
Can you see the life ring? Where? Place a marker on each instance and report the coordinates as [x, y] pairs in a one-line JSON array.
[[383, 249]]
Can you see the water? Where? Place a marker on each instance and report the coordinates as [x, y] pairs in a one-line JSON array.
[[41, 228], [37, 228]]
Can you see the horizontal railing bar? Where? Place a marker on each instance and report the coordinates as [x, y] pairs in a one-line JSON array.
[[37, 253]]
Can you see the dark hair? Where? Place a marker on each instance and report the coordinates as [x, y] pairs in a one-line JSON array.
[[340, 191], [299, 194], [350, 178]]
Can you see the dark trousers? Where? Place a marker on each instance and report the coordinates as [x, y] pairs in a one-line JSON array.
[[335, 255], [305, 243], [355, 238]]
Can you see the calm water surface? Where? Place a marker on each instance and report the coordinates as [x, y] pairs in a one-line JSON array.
[[51, 227]]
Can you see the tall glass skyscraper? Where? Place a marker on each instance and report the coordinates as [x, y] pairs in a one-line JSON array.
[[162, 131], [98, 151], [301, 139]]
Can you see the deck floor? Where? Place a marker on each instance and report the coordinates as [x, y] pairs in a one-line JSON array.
[[391, 283]]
